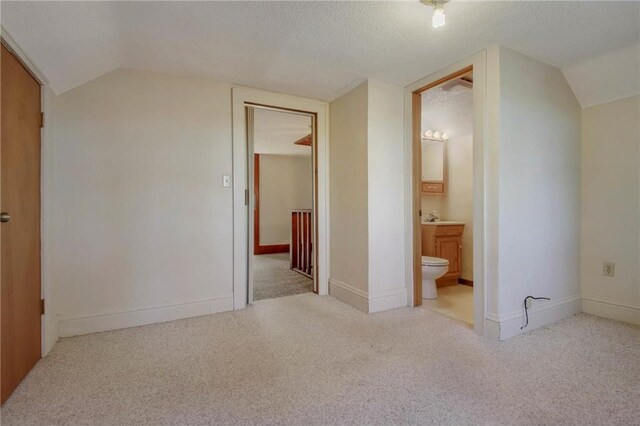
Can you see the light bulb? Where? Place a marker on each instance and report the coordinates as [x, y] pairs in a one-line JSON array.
[[437, 134], [445, 135], [438, 19], [428, 133]]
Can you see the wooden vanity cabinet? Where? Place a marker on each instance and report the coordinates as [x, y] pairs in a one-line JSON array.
[[444, 241]]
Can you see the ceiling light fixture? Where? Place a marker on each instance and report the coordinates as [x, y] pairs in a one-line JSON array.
[[438, 19]]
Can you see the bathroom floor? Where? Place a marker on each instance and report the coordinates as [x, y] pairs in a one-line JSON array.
[[454, 301]]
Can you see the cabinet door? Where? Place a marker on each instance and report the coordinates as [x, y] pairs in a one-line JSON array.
[[449, 248]]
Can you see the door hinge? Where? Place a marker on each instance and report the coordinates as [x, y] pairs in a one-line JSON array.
[[246, 197], [42, 120], [420, 213], [41, 306]]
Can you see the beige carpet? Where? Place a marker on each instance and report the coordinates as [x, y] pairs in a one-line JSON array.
[[313, 360], [455, 301], [272, 277]]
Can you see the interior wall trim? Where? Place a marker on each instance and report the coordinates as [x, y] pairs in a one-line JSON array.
[[115, 321], [365, 302], [540, 314], [390, 299], [614, 311], [271, 249], [465, 281], [350, 295]]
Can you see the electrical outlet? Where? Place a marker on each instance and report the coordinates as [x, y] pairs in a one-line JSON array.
[[609, 269], [528, 303]]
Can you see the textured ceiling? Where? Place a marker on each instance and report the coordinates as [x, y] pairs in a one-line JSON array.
[[319, 49], [449, 111], [275, 132]]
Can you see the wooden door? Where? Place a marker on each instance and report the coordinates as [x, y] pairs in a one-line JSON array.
[[449, 248], [20, 235]]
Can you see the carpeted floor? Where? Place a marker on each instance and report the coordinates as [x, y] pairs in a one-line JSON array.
[[273, 278], [307, 359]]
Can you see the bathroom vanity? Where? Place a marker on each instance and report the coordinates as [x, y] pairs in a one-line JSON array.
[[444, 239]]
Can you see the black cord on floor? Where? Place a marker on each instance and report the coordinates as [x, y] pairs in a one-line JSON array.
[[526, 310]]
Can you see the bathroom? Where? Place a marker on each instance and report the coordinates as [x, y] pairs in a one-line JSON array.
[[447, 197]]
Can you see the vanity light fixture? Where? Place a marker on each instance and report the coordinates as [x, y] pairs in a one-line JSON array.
[[435, 135], [438, 20]]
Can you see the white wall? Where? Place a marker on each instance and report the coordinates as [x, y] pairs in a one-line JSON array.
[[349, 239], [610, 209], [141, 226], [367, 215], [539, 199], [285, 184], [385, 196]]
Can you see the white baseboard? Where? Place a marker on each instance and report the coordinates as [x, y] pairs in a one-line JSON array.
[[94, 324], [543, 314], [350, 295], [390, 299], [362, 301], [492, 327], [613, 311], [50, 332]]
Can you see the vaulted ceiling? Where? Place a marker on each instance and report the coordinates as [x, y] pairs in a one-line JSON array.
[[323, 49]]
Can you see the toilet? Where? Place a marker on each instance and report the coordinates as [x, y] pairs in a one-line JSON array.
[[432, 269]]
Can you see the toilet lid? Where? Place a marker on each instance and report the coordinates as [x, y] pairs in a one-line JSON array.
[[434, 261]]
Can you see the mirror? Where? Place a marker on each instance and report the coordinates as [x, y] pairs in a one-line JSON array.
[[432, 161], [433, 166]]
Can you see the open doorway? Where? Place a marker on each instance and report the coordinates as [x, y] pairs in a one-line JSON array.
[[244, 101], [282, 227], [444, 127]]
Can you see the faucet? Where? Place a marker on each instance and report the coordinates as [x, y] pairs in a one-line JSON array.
[[433, 216]]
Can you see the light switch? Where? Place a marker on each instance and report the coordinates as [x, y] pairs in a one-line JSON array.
[[226, 181]]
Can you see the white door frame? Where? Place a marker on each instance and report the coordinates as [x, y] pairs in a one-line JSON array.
[[480, 284], [241, 232]]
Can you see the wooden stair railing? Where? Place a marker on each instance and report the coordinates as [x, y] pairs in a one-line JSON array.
[[301, 254]]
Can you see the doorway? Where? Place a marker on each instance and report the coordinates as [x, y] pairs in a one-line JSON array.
[[241, 98], [446, 197], [281, 154], [483, 266], [20, 223]]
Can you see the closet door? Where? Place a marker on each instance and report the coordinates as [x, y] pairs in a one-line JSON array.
[[20, 223]]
